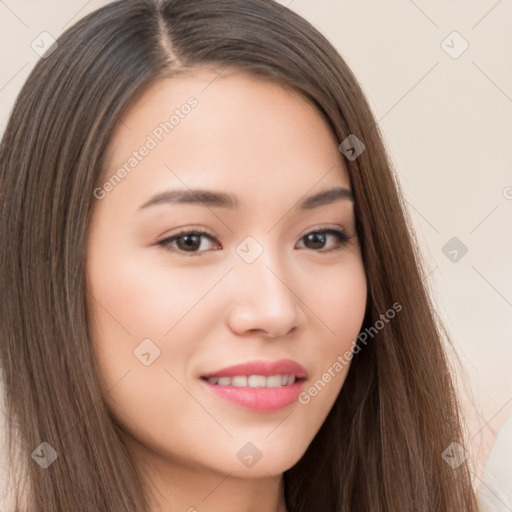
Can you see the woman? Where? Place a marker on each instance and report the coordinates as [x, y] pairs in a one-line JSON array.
[[285, 356]]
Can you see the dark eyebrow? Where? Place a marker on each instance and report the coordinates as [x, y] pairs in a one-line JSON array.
[[223, 200], [326, 197]]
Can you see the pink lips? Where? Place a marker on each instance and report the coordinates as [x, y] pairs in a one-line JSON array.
[[283, 366], [260, 398]]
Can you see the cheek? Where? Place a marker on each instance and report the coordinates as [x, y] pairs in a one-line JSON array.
[[145, 299], [338, 310], [132, 305], [139, 308], [339, 302]]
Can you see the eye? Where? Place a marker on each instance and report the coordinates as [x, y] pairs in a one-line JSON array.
[[187, 241], [190, 241], [319, 237]]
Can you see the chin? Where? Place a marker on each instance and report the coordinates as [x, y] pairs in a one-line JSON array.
[[259, 459]]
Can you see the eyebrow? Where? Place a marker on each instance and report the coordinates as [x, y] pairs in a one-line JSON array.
[[223, 200]]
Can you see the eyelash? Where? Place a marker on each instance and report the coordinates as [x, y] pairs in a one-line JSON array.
[[341, 234]]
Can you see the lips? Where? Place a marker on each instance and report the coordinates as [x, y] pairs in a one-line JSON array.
[[264, 368], [258, 385]]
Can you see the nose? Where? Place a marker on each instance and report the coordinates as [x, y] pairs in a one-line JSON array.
[[264, 299]]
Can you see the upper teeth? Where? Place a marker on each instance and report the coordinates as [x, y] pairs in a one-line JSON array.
[[254, 381]]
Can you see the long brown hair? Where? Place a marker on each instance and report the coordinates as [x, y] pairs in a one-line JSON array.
[[381, 446]]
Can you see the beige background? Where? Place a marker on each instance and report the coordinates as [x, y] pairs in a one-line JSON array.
[[447, 125]]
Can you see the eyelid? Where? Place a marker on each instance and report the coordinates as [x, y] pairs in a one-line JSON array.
[[327, 227], [343, 235], [189, 230]]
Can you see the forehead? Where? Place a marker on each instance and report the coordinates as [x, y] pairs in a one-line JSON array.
[[232, 129]]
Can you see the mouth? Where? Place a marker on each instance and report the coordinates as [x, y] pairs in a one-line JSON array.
[[254, 381], [259, 385]]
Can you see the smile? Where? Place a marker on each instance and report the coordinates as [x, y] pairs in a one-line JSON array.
[[254, 381]]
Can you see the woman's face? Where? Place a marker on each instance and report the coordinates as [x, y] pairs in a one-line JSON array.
[[258, 289]]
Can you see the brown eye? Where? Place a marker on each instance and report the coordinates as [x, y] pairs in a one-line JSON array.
[[317, 239], [186, 241]]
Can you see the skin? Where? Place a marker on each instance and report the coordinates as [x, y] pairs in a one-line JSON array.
[[270, 148]]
